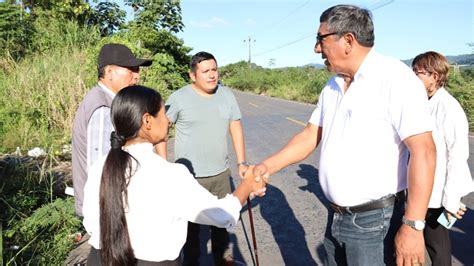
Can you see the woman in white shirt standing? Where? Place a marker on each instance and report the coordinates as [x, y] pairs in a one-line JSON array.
[[452, 177], [137, 204]]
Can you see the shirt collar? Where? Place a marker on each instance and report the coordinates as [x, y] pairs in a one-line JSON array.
[[142, 146], [106, 89], [364, 68], [367, 64], [437, 94]]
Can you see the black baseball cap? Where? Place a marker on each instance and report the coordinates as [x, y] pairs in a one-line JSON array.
[[119, 55]]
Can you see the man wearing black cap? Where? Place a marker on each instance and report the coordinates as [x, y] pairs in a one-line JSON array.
[[117, 68]]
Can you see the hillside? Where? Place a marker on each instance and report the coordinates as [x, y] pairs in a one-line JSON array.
[[464, 59]]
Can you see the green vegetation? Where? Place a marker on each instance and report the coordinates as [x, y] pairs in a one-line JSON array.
[[461, 86], [300, 84], [39, 226], [48, 53]]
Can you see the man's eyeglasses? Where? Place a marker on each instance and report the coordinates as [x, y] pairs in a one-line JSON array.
[[320, 38]]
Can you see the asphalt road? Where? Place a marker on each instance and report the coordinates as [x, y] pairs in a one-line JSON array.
[[290, 220]]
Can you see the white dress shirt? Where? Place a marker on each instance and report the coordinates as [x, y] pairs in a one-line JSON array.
[[162, 198], [363, 156], [452, 177]]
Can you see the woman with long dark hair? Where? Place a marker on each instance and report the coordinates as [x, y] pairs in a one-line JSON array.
[[137, 204]]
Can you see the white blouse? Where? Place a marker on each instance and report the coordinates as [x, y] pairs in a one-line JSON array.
[[452, 177], [162, 198]]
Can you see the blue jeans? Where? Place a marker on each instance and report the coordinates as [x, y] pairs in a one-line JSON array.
[[365, 238]]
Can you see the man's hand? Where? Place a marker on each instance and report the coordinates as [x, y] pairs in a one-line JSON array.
[[409, 246], [260, 172], [259, 188]]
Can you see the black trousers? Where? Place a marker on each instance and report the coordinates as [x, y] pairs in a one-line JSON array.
[[437, 241], [94, 260]]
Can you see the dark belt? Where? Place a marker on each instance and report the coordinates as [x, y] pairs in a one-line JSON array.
[[371, 205]]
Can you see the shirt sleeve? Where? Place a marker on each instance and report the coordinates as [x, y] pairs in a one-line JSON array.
[[203, 207], [172, 108], [317, 115], [409, 108], [91, 204], [234, 107], [99, 128], [458, 177]]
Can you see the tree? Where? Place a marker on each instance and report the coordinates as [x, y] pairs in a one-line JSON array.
[[108, 17], [158, 15], [154, 26], [15, 30], [76, 10]]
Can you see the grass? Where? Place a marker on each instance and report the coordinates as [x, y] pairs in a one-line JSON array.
[[39, 97]]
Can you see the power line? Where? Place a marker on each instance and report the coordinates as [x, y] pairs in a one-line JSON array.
[[285, 17], [380, 4], [372, 8], [284, 45]]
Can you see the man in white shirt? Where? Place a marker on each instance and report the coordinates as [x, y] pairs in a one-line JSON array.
[[369, 115], [117, 69]]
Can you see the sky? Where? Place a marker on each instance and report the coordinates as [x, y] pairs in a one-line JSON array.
[[282, 32]]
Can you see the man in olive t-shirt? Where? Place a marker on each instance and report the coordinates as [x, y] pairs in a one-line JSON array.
[[204, 113]]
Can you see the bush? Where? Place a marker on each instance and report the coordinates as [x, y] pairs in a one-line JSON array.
[[46, 237], [58, 33], [461, 86], [16, 31], [296, 83], [39, 224]]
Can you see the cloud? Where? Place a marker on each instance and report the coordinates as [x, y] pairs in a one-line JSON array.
[[212, 23]]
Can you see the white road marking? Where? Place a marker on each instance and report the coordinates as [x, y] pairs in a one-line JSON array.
[[296, 121]]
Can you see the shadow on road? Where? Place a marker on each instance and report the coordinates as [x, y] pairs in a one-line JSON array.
[[311, 174], [289, 234]]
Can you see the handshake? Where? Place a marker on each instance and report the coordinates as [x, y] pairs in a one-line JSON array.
[[254, 179]]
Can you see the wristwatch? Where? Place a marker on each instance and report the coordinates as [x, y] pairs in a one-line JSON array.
[[418, 225], [243, 163]]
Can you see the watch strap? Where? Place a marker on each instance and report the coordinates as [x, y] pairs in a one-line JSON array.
[[413, 224], [243, 163]]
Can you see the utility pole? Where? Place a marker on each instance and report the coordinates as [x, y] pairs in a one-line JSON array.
[[250, 48]]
